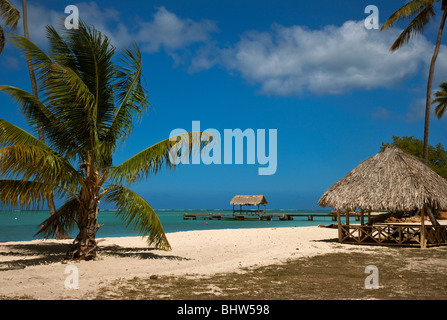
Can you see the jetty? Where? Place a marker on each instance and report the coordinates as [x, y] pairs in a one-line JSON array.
[[262, 216]]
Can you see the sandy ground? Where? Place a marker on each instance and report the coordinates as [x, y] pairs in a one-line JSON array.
[[196, 253]]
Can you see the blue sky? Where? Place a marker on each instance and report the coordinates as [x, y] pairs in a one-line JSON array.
[[309, 69]]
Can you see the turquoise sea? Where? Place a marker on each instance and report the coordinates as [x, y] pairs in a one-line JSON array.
[[23, 225]]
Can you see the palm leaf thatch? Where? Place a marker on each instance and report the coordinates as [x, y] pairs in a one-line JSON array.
[[390, 180], [244, 200]]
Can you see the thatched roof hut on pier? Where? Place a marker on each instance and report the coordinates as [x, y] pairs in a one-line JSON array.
[[249, 200]]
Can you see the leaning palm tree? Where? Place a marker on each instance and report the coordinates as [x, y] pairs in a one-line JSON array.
[[60, 232], [11, 16], [441, 100], [87, 105], [422, 11]]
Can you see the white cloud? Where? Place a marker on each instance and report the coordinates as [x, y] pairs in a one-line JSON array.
[[168, 31], [440, 74], [9, 62], [381, 114], [40, 16], [285, 61], [164, 30], [416, 111], [288, 61]]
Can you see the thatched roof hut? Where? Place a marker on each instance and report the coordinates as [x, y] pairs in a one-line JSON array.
[[390, 180], [254, 200]]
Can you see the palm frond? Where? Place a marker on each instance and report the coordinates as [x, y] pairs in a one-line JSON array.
[[60, 51], [25, 157], [131, 96], [67, 88], [416, 26], [40, 116], [75, 81], [410, 9], [39, 59], [93, 52], [64, 217], [23, 194], [136, 213], [43, 165], [2, 40], [441, 100], [11, 134], [9, 14], [72, 105], [87, 53], [26, 100], [152, 159]]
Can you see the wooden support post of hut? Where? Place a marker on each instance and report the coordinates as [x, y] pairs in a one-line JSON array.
[[250, 200], [423, 239], [390, 181]]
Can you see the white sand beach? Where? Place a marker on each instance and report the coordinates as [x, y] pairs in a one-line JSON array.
[[195, 253]]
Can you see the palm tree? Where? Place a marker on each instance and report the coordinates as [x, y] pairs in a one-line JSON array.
[[87, 106], [11, 16], [441, 100], [424, 11], [60, 232]]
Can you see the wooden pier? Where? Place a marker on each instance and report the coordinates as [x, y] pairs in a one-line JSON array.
[[261, 216]]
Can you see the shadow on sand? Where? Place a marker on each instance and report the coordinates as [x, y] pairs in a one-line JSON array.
[[46, 253]]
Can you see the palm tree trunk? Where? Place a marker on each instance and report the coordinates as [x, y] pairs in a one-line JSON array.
[[84, 246], [430, 81], [432, 218], [428, 100], [60, 231]]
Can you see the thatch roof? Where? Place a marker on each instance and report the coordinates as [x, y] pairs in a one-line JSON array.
[[249, 200], [390, 180]]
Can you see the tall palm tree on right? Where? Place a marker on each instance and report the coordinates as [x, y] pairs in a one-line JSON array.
[[422, 11]]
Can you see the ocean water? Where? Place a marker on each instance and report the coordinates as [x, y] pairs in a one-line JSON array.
[[23, 225]]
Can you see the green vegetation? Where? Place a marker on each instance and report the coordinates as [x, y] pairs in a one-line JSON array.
[[437, 156]]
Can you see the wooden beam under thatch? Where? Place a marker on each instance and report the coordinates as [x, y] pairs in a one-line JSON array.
[[254, 200], [390, 180]]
